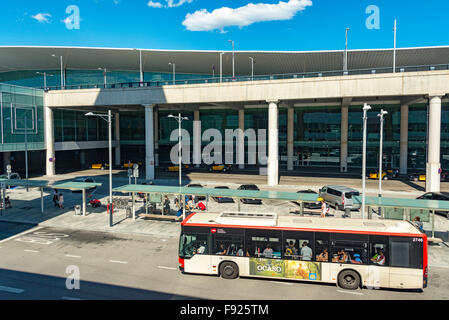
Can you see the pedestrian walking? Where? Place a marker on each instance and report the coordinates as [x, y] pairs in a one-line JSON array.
[[61, 201], [55, 198]]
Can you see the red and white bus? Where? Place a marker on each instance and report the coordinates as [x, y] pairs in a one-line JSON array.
[[352, 253]]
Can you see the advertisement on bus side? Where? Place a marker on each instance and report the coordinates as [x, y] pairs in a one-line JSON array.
[[301, 270]]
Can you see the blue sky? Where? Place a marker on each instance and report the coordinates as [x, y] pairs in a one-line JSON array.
[[295, 25]]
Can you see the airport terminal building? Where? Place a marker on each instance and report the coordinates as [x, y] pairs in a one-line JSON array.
[[310, 107]]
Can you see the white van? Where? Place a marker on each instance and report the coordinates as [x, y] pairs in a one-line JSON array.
[[340, 197]]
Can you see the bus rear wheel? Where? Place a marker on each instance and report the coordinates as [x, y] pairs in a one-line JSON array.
[[349, 280], [229, 270]]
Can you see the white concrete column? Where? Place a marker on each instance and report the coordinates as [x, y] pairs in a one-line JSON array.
[[196, 138], [156, 137], [241, 138], [344, 138], [49, 142], [433, 152], [404, 140], [118, 159], [149, 142], [273, 143], [290, 137]]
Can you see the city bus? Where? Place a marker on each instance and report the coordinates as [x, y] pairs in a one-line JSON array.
[[352, 253]]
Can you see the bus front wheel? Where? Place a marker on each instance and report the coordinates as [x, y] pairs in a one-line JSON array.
[[229, 270], [349, 280]]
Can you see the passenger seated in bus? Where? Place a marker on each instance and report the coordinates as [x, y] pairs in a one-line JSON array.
[[356, 259], [221, 249], [379, 258], [323, 256], [342, 257], [240, 251], [268, 252]]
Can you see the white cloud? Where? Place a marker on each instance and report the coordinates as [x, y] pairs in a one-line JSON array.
[[170, 3], [202, 20], [42, 17]]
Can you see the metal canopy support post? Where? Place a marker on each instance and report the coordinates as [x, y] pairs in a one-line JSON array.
[[301, 208], [433, 223], [42, 200], [238, 204], [207, 203], [133, 208], [84, 202], [183, 207]]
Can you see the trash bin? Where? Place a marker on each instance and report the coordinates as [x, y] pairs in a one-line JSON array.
[[77, 210]]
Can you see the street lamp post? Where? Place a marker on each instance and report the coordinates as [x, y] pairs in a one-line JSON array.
[[252, 68], [174, 71], [104, 75], [62, 71], [233, 59], [221, 66], [179, 118], [394, 48], [108, 119], [366, 107], [345, 63], [45, 78], [381, 116]]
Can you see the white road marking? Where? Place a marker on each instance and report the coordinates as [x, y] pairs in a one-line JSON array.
[[284, 283], [168, 268], [11, 290], [33, 251], [72, 256], [350, 292], [69, 298], [21, 234], [116, 261]]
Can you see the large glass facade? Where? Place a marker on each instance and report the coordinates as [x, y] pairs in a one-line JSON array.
[[70, 125], [21, 118], [317, 136], [82, 77]]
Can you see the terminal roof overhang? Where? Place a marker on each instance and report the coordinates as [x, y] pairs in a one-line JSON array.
[[22, 58]]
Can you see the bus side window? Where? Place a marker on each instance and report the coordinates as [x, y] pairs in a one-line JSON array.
[[379, 250], [229, 245], [264, 244], [349, 248], [298, 245], [322, 247]]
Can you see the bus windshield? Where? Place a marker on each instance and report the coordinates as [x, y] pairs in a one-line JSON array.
[[191, 244]]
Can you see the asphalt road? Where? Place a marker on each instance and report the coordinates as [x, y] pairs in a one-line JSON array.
[[34, 265]]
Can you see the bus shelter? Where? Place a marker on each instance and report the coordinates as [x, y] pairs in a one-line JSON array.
[[41, 184], [405, 209], [160, 191]]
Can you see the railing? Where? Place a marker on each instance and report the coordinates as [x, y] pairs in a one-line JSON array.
[[253, 78]]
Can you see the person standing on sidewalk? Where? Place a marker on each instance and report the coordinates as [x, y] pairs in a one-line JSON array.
[[61, 201], [324, 208], [55, 198]]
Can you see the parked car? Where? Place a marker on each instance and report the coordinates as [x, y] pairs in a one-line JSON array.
[[223, 199], [444, 176], [197, 185], [87, 180], [176, 168], [309, 205], [442, 196], [386, 174], [340, 197], [250, 187], [220, 167]]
